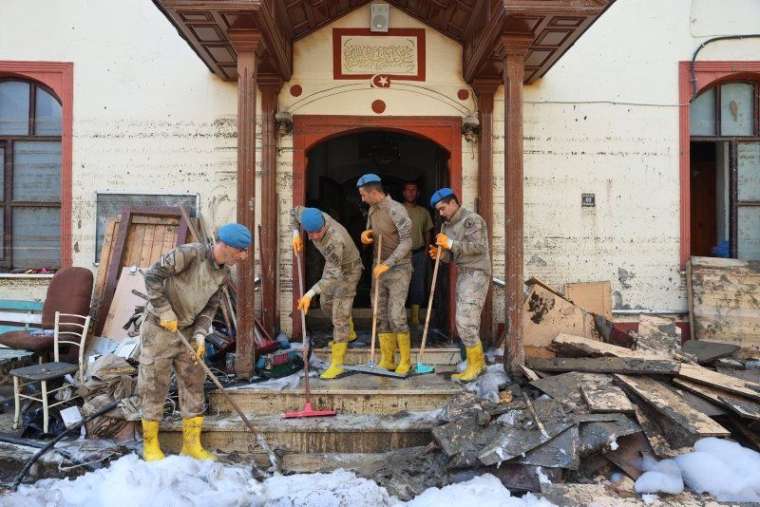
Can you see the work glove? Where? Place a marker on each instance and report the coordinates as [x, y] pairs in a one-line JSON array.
[[433, 251], [304, 302], [379, 270], [169, 325], [443, 241], [200, 346], [368, 237], [297, 241]]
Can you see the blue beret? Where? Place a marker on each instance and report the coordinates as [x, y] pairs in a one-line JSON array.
[[368, 178], [439, 194], [235, 235], [312, 219]]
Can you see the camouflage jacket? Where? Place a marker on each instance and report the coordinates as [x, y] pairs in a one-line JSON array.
[[391, 220], [185, 284], [470, 249]]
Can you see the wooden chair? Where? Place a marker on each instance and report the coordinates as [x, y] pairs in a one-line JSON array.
[[71, 330]]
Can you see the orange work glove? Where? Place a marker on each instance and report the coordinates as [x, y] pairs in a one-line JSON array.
[[297, 241], [443, 241], [379, 270], [368, 237], [433, 251]]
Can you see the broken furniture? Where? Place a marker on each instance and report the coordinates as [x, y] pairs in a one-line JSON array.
[[69, 293], [72, 330], [19, 315]]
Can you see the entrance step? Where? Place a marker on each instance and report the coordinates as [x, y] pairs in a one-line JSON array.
[[352, 394], [344, 433], [438, 356]]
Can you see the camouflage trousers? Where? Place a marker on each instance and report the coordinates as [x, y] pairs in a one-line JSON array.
[[338, 301], [160, 350], [472, 287], [391, 306]]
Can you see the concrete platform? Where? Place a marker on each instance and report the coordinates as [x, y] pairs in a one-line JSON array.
[[353, 394], [439, 357], [341, 434]]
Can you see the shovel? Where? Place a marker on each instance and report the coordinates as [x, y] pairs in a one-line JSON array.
[[259, 437], [307, 411]]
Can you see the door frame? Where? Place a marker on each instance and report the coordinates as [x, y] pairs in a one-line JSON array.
[[310, 130]]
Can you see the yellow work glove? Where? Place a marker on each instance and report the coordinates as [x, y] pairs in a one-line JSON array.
[[200, 346], [433, 251], [368, 237], [297, 242], [169, 325], [304, 302], [443, 241], [379, 270]]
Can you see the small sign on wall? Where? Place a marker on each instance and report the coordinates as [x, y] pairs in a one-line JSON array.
[[588, 200], [398, 53]]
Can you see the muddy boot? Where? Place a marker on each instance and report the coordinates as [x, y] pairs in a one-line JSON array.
[[476, 363], [191, 439], [405, 353], [387, 351], [151, 448], [336, 361]]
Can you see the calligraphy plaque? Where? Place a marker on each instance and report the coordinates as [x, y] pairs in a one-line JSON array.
[[361, 54]]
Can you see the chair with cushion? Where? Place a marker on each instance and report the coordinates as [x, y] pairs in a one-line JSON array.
[[69, 292], [70, 330]]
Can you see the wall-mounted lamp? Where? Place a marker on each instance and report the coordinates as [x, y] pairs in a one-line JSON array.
[[471, 127], [284, 122]]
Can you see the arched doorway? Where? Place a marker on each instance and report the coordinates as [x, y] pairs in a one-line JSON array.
[[331, 152]]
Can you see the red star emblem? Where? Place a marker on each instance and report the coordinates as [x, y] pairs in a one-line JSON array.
[[381, 81]]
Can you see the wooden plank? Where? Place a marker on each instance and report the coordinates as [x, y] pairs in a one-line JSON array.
[[737, 404], [123, 304], [105, 259], [147, 246], [725, 297], [605, 365], [672, 407], [654, 434], [628, 455], [545, 314], [659, 335], [706, 352], [571, 345], [20, 305], [605, 398], [594, 297], [728, 383]]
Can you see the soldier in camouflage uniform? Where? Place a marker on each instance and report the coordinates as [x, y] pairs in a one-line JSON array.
[[184, 289], [343, 269], [465, 243], [389, 219]]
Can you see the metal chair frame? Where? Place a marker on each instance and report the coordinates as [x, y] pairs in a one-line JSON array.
[[59, 337]]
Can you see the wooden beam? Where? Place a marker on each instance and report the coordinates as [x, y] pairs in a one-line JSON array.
[[270, 86], [632, 366], [479, 49], [279, 45], [485, 90], [516, 47], [246, 42]]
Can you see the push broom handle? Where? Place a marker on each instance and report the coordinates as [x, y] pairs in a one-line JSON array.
[[430, 302], [259, 437], [375, 302], [307, 389]]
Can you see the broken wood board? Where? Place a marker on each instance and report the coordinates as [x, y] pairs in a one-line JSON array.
[[659, 335], [725, 298], [544, 352], [594, 297], [700, 404], [569, 345], [559, 452], [707, 352], [601, 436], [565, 388], [728, 383], [515, 476], [672, 407], [605, 398], [624, 365], [546, 313], [630, 450], [737, 404], [123, 304], [653, 432]]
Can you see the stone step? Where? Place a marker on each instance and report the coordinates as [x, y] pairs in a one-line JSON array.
[[343, 433], [444, 356], [352, 394]]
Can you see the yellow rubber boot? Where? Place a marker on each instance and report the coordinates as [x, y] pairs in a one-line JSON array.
[[351, 331], [151, 448], [387, 351], [191, 439], [415, 315], [405, 353], [336, 361], [476, 363]]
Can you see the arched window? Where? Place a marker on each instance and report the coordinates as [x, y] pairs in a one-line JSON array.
[[724, 124], [30, 176]]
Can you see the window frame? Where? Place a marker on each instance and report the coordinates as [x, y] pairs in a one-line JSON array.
[[7, 202]]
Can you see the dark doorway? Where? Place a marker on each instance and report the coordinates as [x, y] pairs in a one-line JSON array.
[[710, 191], [335, 165]]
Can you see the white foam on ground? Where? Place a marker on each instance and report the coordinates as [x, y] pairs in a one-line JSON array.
[[660, 477], [180, 481]]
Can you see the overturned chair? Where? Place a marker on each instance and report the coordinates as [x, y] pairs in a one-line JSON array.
[[71, 330]]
